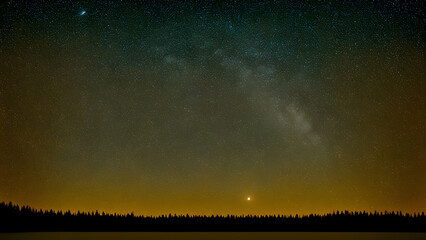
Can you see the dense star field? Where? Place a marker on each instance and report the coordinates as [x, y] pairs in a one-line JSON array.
[[195, 107]]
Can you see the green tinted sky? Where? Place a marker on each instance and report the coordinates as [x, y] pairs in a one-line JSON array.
[[191, 107]]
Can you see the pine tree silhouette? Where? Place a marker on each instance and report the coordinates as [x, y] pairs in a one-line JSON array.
[[17, 219]]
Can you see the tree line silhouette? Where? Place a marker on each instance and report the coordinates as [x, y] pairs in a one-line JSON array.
[[21, 219]]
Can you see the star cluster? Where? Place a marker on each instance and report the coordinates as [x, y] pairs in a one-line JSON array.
[[191, 106]]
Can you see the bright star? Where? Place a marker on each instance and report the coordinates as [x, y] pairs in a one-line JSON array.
[[248, 199]]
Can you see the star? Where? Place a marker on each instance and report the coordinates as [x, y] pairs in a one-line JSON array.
[[122, 99]]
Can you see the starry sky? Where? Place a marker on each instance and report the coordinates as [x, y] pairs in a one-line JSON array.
[[191, 107]]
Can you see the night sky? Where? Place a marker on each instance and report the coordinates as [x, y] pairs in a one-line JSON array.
[[193, 107]]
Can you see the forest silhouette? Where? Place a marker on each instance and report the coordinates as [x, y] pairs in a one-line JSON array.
[[14, 218]]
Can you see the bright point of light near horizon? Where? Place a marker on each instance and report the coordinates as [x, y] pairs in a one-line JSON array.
[[248, 199], [158, 106]]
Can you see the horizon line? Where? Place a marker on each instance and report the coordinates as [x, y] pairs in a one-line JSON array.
[[175, 215]]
